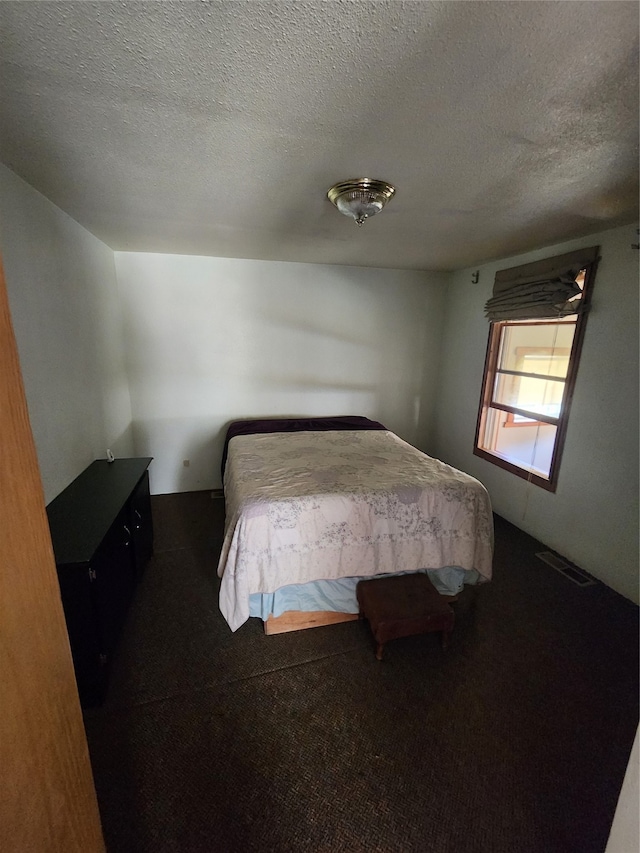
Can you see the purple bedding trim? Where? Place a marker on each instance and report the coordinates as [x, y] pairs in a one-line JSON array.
[[295, 425]]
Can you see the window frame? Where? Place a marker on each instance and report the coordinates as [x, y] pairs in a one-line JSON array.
[[561, 422]]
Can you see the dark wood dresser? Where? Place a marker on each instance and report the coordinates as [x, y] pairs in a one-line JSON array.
[[102, 535]]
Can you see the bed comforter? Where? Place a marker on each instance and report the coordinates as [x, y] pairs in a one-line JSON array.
[[312, 506]]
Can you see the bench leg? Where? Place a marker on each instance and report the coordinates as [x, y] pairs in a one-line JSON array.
[[379, 650], [446, 635]]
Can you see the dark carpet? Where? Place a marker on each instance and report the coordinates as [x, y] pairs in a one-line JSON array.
[[515, 740]]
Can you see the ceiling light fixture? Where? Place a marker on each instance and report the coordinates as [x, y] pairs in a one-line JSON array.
[[360, 198]]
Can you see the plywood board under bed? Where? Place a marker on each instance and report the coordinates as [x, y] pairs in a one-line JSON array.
[[299, 620]]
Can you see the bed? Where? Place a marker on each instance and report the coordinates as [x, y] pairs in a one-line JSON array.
[[314, 505]]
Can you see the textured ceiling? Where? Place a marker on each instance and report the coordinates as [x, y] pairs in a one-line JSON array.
[[216, 128]]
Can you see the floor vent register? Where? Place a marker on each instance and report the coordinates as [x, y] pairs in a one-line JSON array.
[[578, 576]]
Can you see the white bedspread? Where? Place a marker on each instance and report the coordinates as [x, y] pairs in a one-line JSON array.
[[308, 506]]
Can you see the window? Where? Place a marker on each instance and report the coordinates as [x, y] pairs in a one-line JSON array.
[[532, 364]]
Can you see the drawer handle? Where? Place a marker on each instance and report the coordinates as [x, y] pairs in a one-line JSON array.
[[128, 542]]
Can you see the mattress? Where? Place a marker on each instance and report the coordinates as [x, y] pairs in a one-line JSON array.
[[323, 505]]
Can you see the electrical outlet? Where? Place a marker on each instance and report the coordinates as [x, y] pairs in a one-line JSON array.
[[186, 463]]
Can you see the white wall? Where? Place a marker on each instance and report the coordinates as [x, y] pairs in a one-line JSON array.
[[210, 340], [67, 322], [592, 519]]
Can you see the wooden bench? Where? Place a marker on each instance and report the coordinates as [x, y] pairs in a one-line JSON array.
[[402, 606]]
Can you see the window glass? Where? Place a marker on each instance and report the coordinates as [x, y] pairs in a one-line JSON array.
[[542, 348], [542, 396], [530, 447]]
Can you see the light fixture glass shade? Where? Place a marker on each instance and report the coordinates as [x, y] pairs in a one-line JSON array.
[[360, 198]]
